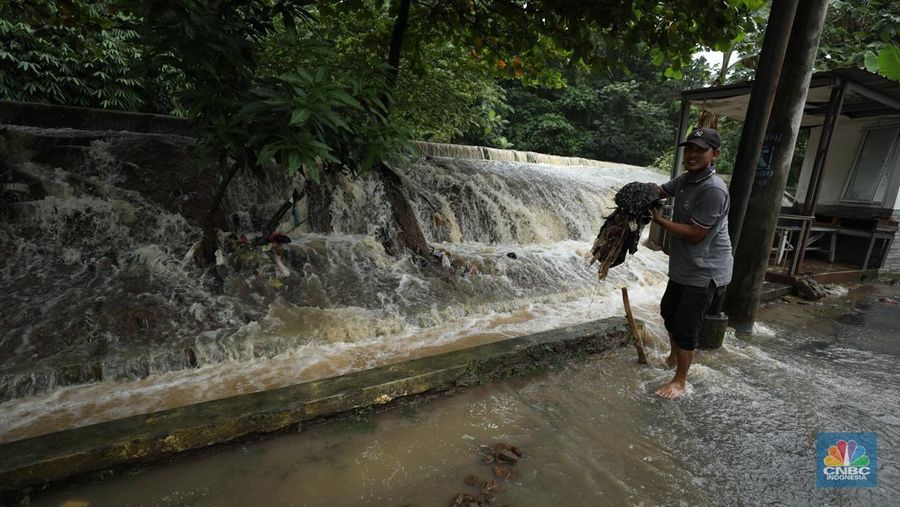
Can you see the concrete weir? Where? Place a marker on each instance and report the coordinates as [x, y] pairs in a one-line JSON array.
[[92, 451]]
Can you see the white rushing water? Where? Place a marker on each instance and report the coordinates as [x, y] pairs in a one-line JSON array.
[[127, 306]]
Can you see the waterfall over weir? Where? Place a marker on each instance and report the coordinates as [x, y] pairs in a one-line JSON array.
[[106, 315]]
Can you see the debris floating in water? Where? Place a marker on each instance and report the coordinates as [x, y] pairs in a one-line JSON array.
[[501, 453], [489, 489], [622, 229]]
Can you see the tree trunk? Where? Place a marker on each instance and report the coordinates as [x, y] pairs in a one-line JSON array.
[[411, 236], [318, 207], [765, 84], [210, 242], [396, 46], [753, 246]]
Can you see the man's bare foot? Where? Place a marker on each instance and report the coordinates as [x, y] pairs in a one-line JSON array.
[[672, 390], [671, 361]]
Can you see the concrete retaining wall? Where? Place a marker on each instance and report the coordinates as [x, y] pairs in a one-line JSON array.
[[81, 118], [484, 153], [30, 114]]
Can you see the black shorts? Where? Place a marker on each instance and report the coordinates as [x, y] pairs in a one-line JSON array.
[[682, 309]]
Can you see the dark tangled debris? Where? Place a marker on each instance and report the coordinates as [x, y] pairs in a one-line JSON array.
[[505, 472], [488, 489], [622, 229], [501, 453]]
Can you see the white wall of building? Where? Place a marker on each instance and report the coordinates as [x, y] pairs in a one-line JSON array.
[[848, 134]]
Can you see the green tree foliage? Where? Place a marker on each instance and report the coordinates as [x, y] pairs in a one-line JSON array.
[[253, 102], [247, 114], [530, 38], [77, 52], [857, 34], [730, 130], [442, 92], [860, 34], [455, 51], [212, 44], [888, 62], [305, 120], [622, 116], [452, 88], [231, 57]]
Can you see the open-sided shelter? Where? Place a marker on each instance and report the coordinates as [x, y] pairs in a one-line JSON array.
[[847, 200]]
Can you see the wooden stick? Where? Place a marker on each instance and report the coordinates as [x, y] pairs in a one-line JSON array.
[[642, 358], [611, 256]]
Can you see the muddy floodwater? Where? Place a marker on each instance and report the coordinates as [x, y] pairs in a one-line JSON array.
[[593, 433]]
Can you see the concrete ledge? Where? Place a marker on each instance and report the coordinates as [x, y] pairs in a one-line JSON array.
[[50, 116], [773, 290], [450, 150], [460, 151], [832, 277], [160, 436], [31, 114]]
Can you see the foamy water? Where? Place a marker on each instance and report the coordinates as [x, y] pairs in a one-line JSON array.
[[348, 339], [128, 304]]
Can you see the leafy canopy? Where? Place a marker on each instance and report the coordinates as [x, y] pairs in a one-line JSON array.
[[304, 82], [80, 53], [863, 35], [457, 54], [298, 112]]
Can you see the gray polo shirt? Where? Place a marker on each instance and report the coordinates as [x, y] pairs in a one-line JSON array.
[[700, 197]]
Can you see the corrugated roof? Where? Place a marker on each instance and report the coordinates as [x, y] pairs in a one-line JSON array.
[[869, 95], [871, 81]]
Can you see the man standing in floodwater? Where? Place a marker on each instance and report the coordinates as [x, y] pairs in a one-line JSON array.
[[700, 259]]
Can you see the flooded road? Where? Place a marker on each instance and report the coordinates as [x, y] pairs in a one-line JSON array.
[[592, 433]]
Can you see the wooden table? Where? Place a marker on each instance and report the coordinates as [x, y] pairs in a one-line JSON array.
[[882, 232]]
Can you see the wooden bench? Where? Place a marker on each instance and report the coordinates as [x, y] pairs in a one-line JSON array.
[[787, 225], [783, 235], [881, 230], [823, 235], [818, 232]]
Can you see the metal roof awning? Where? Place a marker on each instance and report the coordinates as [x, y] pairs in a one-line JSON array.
[[867, 95]]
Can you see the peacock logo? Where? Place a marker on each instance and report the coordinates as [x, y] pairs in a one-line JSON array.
[[846, 454], [847, 460]]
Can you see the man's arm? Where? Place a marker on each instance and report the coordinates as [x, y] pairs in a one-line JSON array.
[[660, 191], [691, 232], [710, 206]]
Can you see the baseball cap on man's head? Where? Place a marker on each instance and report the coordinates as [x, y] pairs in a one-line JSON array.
[[705, 138]]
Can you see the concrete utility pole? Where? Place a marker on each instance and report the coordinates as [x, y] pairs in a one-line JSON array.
[[752, 253], [768, 70]]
